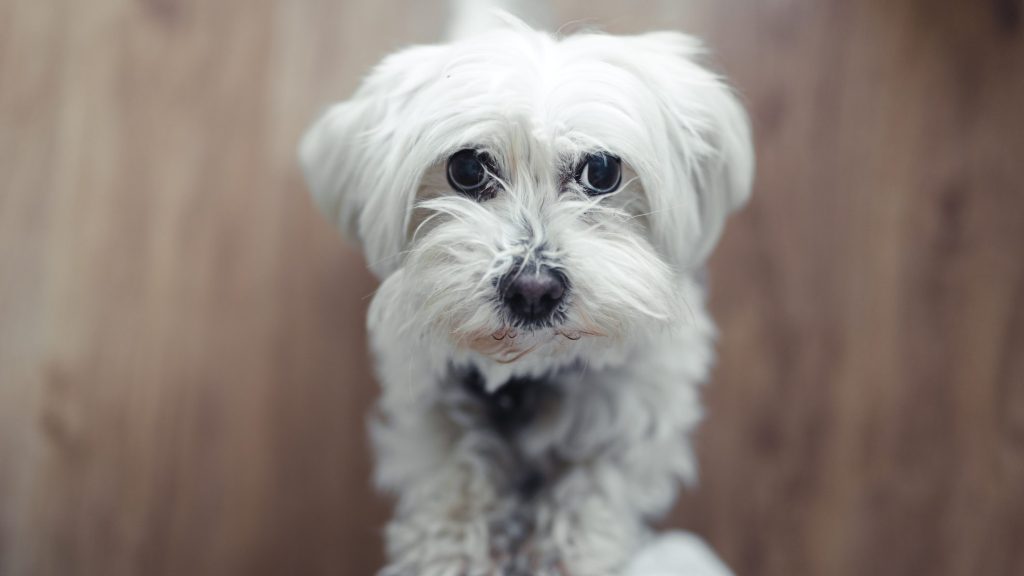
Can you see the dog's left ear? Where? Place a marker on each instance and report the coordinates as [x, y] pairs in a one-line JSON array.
[[710, 164], [357, 157]]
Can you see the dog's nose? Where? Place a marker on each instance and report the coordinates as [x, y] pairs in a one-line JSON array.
[[532, 295]]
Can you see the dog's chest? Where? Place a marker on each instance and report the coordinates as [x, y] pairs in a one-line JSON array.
[[524, 414]]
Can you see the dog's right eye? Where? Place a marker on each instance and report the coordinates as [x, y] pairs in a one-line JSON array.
[[469, 172]]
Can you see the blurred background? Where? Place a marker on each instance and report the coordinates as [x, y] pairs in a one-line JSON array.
[[183, 370]]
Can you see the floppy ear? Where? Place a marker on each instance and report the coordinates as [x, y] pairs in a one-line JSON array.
[[355, 157], [711, 168]]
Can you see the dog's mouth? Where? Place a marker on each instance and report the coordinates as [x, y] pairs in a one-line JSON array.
[[509, 333], [509, 344]]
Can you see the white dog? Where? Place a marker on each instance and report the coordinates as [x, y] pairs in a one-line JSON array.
[[539, 210]]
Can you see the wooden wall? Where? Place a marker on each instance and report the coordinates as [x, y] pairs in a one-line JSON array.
[[183, 372]]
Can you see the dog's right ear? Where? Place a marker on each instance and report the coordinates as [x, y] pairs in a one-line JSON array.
[[355, 161]]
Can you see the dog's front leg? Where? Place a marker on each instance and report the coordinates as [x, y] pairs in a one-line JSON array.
[[583, 529], [594, 519], [441, 527]]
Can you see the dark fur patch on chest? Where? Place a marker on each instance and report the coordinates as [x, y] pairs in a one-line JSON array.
[[513, 406]]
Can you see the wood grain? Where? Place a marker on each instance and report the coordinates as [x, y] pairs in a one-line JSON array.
[[183, 370]]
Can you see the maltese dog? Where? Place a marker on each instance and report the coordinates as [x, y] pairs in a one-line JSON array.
[[539, 209]]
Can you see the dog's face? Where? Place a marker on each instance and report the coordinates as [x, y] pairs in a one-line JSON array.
[[534, 201]]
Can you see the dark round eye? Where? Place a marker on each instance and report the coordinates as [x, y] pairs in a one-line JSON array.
[[600, 173], [469, 172]]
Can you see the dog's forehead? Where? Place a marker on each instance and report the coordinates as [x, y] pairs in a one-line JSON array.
[[562, 93]]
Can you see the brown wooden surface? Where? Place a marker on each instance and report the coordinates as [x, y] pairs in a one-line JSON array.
[[183, 372]]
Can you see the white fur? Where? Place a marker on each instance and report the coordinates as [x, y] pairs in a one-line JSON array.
[[677, 554], [636, 341]]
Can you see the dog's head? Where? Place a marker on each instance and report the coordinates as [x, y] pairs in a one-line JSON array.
[[514, 189]]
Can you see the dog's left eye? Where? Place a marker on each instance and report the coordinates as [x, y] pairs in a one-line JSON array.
[[600, 173], [469, 172]]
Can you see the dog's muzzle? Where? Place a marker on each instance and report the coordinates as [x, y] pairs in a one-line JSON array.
[[532, 295]]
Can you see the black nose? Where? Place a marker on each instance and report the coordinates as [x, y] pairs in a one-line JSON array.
[[531, 295]]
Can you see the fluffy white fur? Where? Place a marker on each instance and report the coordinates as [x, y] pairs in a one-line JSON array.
[[636, 340]]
